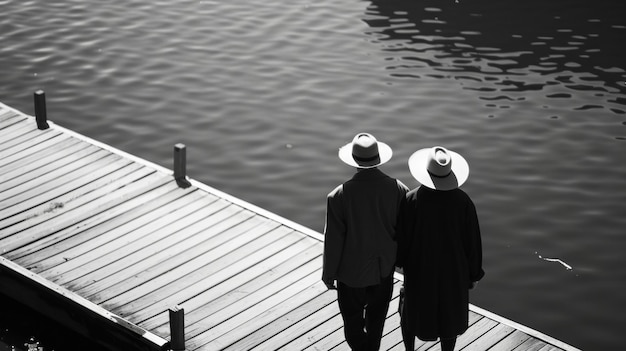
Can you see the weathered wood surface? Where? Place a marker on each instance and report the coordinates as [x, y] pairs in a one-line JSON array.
[[119, 233]]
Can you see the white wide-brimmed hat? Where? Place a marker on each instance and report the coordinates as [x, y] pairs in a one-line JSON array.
[[365, 152], [439, 168]]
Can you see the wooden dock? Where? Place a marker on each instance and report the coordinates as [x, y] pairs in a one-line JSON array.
[[108, 243]]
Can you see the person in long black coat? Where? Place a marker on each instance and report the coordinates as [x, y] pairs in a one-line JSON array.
[[439, 249]]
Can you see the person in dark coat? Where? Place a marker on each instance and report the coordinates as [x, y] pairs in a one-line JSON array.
[[440, 249], [360, 241]]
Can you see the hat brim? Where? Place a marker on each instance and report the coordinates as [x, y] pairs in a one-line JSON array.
[[418, 165], [384, 151]]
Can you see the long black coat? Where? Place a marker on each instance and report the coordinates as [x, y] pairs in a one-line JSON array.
[[439, 247]]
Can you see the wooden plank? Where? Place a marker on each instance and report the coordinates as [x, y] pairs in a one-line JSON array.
[[278, 304], [89, 237], [533, 333], [392, 334], [426, 345], [222, 309], [76, 210], [4, 110], [151, 233], [64, 245], [125, 250], [312, 338], [9, 118], [512, 341], [204, 285], [56, 144], [399, 346], [162, 267], [333, 341], [4, 114], [492, 337], [119, 251], [342, 347], [84, 259], [187, 270], [393, 341], [475, 331], [12, 121], [420, 345], [313, 313], [16, 134], [19, 195], [531, 344], [84, 188], [84, 193], [260, 240], [140, 199], [40, 146], [45, 169], [28, 198], [236, 289], [208, 277], [206, 317]]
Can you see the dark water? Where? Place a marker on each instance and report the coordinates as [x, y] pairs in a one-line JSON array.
[[20, 326], [263, 93]]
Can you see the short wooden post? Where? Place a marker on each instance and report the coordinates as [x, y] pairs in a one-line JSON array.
[[180, 165], [40, 110], [177, 328]]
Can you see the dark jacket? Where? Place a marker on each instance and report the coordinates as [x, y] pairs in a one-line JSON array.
[[359, 235], [441, 252]]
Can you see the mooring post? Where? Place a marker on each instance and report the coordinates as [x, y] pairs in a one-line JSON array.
[[180, 165], [40, 110], [177, 328]]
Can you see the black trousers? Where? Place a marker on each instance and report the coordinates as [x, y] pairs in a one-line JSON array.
[[364, 311]]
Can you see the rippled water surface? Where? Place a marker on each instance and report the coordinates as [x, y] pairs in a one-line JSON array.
[[263, 93]]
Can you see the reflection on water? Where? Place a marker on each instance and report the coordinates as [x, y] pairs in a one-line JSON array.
[[552, 76], [263, 93], [503, 50]]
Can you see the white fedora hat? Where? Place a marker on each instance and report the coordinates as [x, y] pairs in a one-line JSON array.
[[365, 152], [439, 168]]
